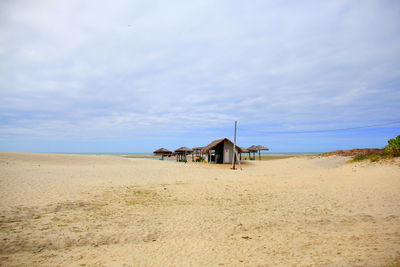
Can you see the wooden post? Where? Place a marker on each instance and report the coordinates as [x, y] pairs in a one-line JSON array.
[[237, 157], [234, 149], [235, 154]]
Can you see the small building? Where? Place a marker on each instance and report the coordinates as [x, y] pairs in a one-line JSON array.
[[220, 151]]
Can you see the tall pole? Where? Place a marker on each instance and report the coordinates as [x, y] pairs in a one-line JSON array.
[[234, 149], [235, 133]]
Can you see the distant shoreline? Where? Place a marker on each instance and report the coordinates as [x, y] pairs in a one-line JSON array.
[[245, 156], [151, 154]]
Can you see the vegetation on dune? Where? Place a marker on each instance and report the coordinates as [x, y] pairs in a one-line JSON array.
[[393, 147], [372, 157], [373, 154], [363, 152]]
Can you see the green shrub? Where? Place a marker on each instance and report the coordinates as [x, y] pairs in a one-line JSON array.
[[393, 147], [371, 157], [358, 158], [375, 158]]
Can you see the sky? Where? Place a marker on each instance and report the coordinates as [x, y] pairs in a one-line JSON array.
[[134, 76]]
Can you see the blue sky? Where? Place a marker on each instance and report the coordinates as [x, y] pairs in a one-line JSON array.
[[133, 76]]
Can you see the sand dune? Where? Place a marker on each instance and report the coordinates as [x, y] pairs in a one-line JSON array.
[[80, 210]]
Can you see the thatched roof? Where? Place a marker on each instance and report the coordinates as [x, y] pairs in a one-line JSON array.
[[214, 143], [198, 148], [260, 147], [257, 148], [162, 151], [242, 149], [183, 150], [252, 148]]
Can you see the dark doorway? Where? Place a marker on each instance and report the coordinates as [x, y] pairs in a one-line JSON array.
[[219, 153]]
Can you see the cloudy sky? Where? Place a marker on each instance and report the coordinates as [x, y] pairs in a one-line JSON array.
[[132, 76]]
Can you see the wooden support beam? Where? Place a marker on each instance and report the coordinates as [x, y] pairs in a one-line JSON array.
[[235, 153]]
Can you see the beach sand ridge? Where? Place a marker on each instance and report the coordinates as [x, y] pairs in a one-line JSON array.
[[82, 210]]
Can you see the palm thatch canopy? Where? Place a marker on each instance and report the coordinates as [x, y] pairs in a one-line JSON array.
[[214, 143], [198, 148], [260, 147], [252, 149], [183, 150], [181, 153], [243, 150], [255, 149], [162, 151]]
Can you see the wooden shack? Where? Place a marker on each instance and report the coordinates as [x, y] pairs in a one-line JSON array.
[[220, 151]]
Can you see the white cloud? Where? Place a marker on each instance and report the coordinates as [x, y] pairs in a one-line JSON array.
[[74, 69]]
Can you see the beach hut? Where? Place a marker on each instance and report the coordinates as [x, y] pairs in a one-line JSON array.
[[163, 152], [260, 147], [220, 151], [242, 150], [181, 153], [252, 149], [257, 149]]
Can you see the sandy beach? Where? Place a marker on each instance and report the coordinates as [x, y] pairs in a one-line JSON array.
[[88, 210]]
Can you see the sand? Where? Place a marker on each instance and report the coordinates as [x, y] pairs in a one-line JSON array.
[[83, 210]]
